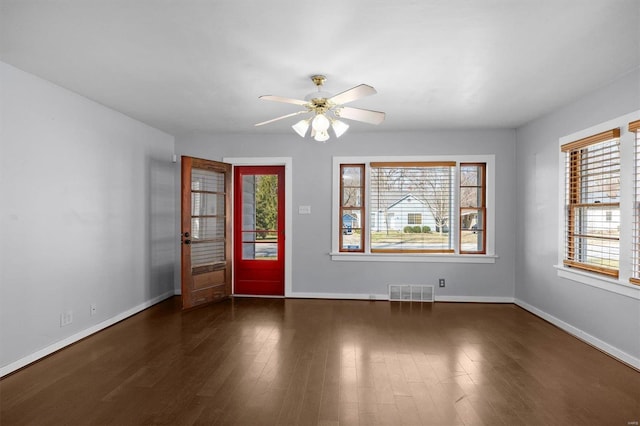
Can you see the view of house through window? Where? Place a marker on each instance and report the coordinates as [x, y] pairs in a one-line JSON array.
[[413, 207], [351, 207]]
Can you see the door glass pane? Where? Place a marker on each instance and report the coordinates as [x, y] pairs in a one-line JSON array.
[[260, 250], [207, 253], [207, 204], [206, 180], [207, 228], [207, 218], [260, 217]]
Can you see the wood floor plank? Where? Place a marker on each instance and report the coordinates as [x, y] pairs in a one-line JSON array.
[[325, 362]]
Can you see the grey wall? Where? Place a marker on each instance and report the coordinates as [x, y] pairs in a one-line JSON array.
[[313, 270], [87, 214], [612, 318]]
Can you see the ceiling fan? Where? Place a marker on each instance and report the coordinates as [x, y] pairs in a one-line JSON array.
[[326, 110]]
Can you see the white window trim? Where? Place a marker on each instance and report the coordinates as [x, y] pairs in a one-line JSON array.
[[367, 256], [627, 154]]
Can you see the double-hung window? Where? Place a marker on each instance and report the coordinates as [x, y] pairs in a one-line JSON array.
[[599, 242], [635, 274], [592, 203], [351, 207], [434, 206], [473, 208]]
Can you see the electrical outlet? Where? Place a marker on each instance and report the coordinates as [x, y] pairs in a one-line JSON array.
[[92, 309], [441, 282], [66, 318]]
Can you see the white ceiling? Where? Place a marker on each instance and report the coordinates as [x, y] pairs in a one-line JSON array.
[[200, 65]]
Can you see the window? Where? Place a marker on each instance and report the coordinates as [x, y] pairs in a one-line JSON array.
[[414, 218], [351, 207], [599, 242], [418, 192], [635, 274], [473, 210], [592, 188], [414, 206]]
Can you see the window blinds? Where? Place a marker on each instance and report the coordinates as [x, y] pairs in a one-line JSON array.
[[592, 184], [635, 251]]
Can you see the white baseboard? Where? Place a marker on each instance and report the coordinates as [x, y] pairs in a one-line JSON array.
[[16, 365], [603, 346], [345, 296], [474, 299], [385, 296], [585, 337]]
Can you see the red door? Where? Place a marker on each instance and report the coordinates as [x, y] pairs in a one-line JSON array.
[[259, 230]]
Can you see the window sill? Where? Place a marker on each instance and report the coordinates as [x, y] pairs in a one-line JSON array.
[[601, 282], [425, 258]]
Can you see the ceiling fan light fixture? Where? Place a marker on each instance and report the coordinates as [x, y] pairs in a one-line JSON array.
[[320, 123], [321, 136], [327, 110], [301, 127], [339, 127]]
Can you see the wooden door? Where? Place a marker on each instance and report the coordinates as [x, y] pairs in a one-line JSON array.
[[206, 231], [259, 230]]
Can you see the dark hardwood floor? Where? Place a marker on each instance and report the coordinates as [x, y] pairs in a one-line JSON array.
[[326, 362]]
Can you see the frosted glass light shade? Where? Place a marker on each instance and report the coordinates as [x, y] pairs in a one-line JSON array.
[[339, 127], [301, 127], [320, 123], [321, 136]]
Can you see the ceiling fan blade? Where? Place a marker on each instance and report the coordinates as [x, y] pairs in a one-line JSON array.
[[281, 99], [359, 114], [352, 94], [281, 117]]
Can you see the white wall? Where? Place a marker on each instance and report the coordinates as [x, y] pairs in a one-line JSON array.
[[609, 320], [314, 273], [87, 216]]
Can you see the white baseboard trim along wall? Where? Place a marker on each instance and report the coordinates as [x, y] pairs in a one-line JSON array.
[[16, 365], [385, 297], [585, 337], [474, 299], [574, 331]]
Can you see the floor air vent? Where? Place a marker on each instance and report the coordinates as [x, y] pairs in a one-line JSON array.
[[410, 293]]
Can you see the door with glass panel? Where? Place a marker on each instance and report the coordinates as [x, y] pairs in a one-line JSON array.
[[259, 230], [206, 231]]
